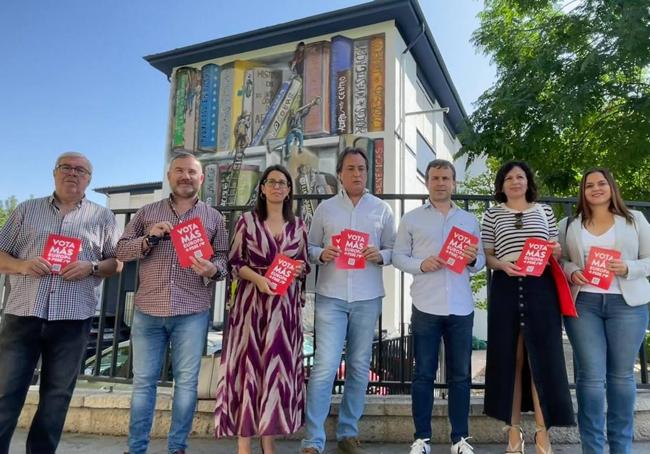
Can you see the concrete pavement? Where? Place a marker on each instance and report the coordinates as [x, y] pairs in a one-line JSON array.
[[98, 444]]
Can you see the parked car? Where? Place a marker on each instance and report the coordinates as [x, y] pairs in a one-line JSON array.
[[214, 342]]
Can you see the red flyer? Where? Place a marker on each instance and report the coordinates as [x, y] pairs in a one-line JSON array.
[[281, 273], [534, 256], [352, 243], [190, 240], [452, 251], [336, 240], [596, 271], [60, 251]]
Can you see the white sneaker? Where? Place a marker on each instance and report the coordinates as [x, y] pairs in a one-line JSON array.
[[462, 447], [420, 446]]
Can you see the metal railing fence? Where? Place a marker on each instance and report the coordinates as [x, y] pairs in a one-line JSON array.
[[109, 353]]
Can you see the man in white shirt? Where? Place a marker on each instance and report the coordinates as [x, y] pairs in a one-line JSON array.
[[348, 302], [442, 304]]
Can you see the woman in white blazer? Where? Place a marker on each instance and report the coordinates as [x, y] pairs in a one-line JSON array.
[[611, 323]]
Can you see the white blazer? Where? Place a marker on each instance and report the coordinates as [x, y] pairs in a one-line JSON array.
[[633, 240]]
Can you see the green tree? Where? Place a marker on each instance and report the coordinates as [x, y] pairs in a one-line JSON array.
[[6, 207], [572, 90]]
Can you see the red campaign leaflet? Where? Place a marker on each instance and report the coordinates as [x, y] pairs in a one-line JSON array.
[[190, 240], [336, 240], [534, 256], [596, 271], [60, 251], [453, 248], [281, 273], [352, 243]]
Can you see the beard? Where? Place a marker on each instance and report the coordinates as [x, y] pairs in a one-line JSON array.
[[185, 191]]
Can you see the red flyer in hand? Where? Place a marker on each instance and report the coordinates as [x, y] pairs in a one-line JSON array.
[[60, 251], [336, 240], [596, 271], [352, 243], [534, 256], [452, 251], [190, 240], [281, 273]]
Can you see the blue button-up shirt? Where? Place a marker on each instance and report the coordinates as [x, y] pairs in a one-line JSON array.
[[371, 215], [421, 233]]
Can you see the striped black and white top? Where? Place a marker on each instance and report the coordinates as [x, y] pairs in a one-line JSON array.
[[498, 230]]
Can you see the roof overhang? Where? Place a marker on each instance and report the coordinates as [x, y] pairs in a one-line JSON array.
[[409, 21], [138, 188]]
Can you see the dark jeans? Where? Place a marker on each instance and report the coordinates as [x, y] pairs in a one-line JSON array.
[[456, 331], [61, 344]]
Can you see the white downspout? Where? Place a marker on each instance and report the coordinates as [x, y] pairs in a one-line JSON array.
[[401, 130]]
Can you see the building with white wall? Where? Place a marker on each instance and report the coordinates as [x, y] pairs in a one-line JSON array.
[[413, 113]]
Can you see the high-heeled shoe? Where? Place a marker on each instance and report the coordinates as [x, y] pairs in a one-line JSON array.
[[517, 448], [540, 448]]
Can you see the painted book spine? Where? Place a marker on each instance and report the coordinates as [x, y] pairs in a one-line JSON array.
[[181, 82], [266, 83], [340, 84], [343, 102], [379, 166], [247, 99], [192, 110], [284, 128], [225, 108], [317, 84], [237, 96], [208, 113], [295, 90], [377, 87], [270, 113], [360, 86], [210, 188]]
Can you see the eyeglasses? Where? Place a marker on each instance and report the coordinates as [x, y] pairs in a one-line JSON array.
[[519, 221], [276, 183], [69, 170]]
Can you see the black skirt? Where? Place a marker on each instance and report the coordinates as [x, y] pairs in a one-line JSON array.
[[528, 305]]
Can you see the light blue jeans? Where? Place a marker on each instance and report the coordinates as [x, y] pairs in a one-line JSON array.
[[149, 336], [338, 322], [606, 338]]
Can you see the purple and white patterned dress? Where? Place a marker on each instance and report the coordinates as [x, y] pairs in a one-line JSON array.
[[261, 388]]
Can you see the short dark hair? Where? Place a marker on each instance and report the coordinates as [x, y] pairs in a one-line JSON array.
[[349, 151], [183, 154], [531, 191], [287, 204], [440, 164]]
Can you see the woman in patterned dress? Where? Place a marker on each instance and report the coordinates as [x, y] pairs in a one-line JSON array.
[[261, 385]]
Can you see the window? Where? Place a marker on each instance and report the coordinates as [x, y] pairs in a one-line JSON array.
[[424, 154]]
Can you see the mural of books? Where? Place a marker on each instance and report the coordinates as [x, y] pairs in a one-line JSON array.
[[338, 91], [216, 173]]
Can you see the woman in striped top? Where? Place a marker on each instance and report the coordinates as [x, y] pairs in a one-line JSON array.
[[525, 360]]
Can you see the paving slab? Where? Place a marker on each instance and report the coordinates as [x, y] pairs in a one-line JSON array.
[[98, 444]]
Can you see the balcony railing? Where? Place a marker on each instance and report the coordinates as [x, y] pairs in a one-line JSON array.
[[392, 354]]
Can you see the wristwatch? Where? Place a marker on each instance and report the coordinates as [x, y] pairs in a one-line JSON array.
[[95, 270]]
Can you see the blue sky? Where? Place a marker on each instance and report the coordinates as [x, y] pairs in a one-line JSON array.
[[73, 77]]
